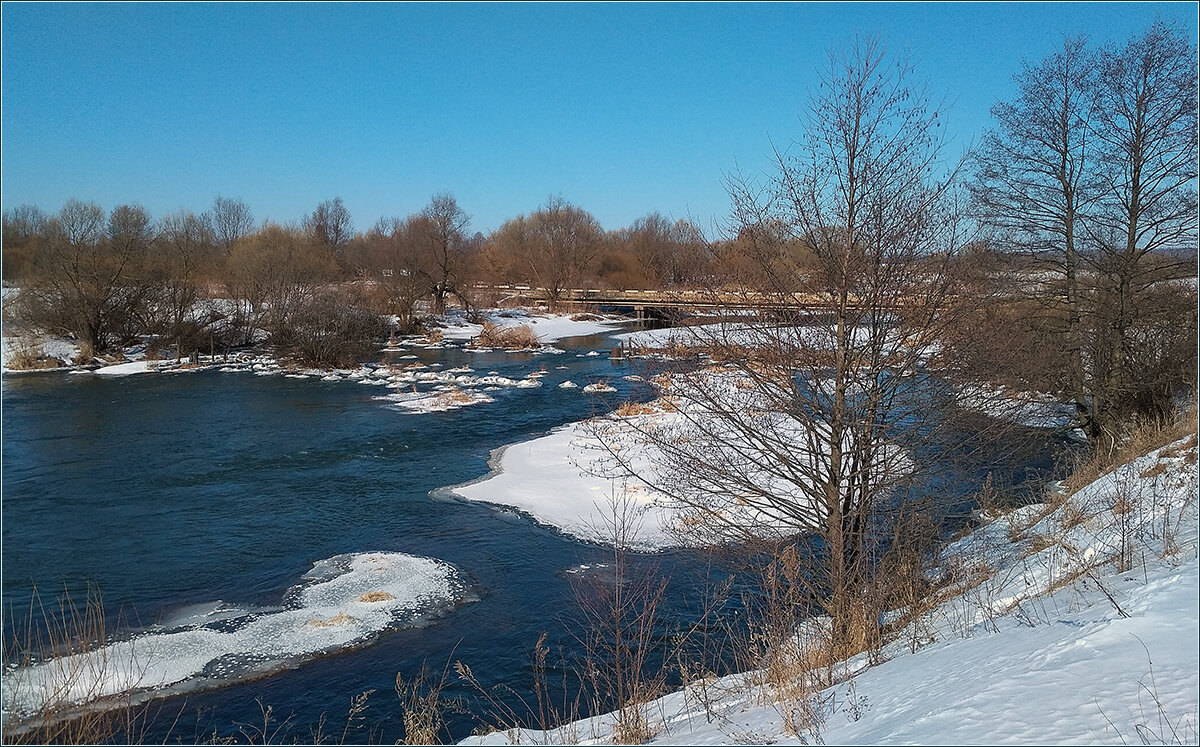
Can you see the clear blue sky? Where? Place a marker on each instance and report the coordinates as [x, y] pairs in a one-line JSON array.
[[622, 109]]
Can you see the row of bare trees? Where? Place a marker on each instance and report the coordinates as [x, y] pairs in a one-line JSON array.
[[1091, 171], [108, 278]]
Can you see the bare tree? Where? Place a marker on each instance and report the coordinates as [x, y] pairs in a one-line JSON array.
[[80, 278], [275, 271], [1034, 182], [185, 250], [330, 226], [557, 245], [1146, 123], [231, 220], [395, 261], [669, 253], [821, 409], [446, 247], [23, 227]]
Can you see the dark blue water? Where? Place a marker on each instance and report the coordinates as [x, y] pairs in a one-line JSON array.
[[166, 491]]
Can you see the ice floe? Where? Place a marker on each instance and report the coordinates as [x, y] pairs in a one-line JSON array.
[[343, 602]]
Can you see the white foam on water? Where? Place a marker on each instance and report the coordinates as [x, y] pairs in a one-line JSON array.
[[345, 601]]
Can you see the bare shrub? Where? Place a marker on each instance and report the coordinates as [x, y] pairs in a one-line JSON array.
[[518, 337], [330, 331]]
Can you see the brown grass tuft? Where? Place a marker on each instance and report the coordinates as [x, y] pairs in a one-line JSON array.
[[630, 409], [29, 356], [376, 596], [340, 618]]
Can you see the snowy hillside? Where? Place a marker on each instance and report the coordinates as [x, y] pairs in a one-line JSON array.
[[1073, 621]]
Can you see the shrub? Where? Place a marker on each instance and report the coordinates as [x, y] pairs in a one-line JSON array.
[[513, 338], [326, 331]]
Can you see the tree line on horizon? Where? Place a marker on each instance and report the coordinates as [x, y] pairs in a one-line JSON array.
[[1087, 180]]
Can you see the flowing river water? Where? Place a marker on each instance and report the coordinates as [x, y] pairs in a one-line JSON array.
[[177, 496]]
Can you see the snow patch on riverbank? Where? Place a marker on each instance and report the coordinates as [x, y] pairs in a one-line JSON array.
[[583, 476], [548, 327]]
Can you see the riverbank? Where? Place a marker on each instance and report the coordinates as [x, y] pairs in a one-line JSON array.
[[1041, 633], [46, 353]]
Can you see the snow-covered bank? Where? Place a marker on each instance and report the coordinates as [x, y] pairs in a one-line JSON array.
[[548, 328], [344, 601], [559, 480], [583, 476], [1071, 622], [1023, 408]]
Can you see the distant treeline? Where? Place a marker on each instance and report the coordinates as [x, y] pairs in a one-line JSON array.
[[1072, 227]]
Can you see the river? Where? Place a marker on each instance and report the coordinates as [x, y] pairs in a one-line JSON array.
[[169, 493]]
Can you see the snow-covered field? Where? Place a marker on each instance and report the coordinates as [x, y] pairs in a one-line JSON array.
[[344, 600], [1072, 622]]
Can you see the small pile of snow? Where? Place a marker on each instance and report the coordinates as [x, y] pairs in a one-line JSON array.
[[442, 400], [599, 387], [128, 369]]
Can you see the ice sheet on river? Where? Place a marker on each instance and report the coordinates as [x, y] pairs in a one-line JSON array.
[[343, 602]]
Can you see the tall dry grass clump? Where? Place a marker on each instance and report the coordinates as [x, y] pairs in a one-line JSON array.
[[513, 338], [59, 704], [1143, 437], [29, 356]]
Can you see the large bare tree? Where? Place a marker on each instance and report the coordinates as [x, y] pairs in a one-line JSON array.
[[330, 226], [444, 244], [557, 244], [88, 272], [820, 409], [1035, 181], [185, 249], [231, 220], [1146, 124]]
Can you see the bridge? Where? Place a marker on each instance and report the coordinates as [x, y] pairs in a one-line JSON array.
[[642, 301]]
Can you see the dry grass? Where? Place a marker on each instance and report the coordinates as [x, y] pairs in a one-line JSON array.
[[1153, 471], [1141, 439], [29, 356], [513, 338], [376, 596], [73, 638], [453, 398], [433, 336], [424, 707], [340, 618], [631, 409]]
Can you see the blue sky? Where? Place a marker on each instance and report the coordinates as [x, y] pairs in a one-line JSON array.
[[622, 109]]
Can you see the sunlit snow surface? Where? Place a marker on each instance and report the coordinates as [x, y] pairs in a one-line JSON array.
[[1056, 645], [342, 602]]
